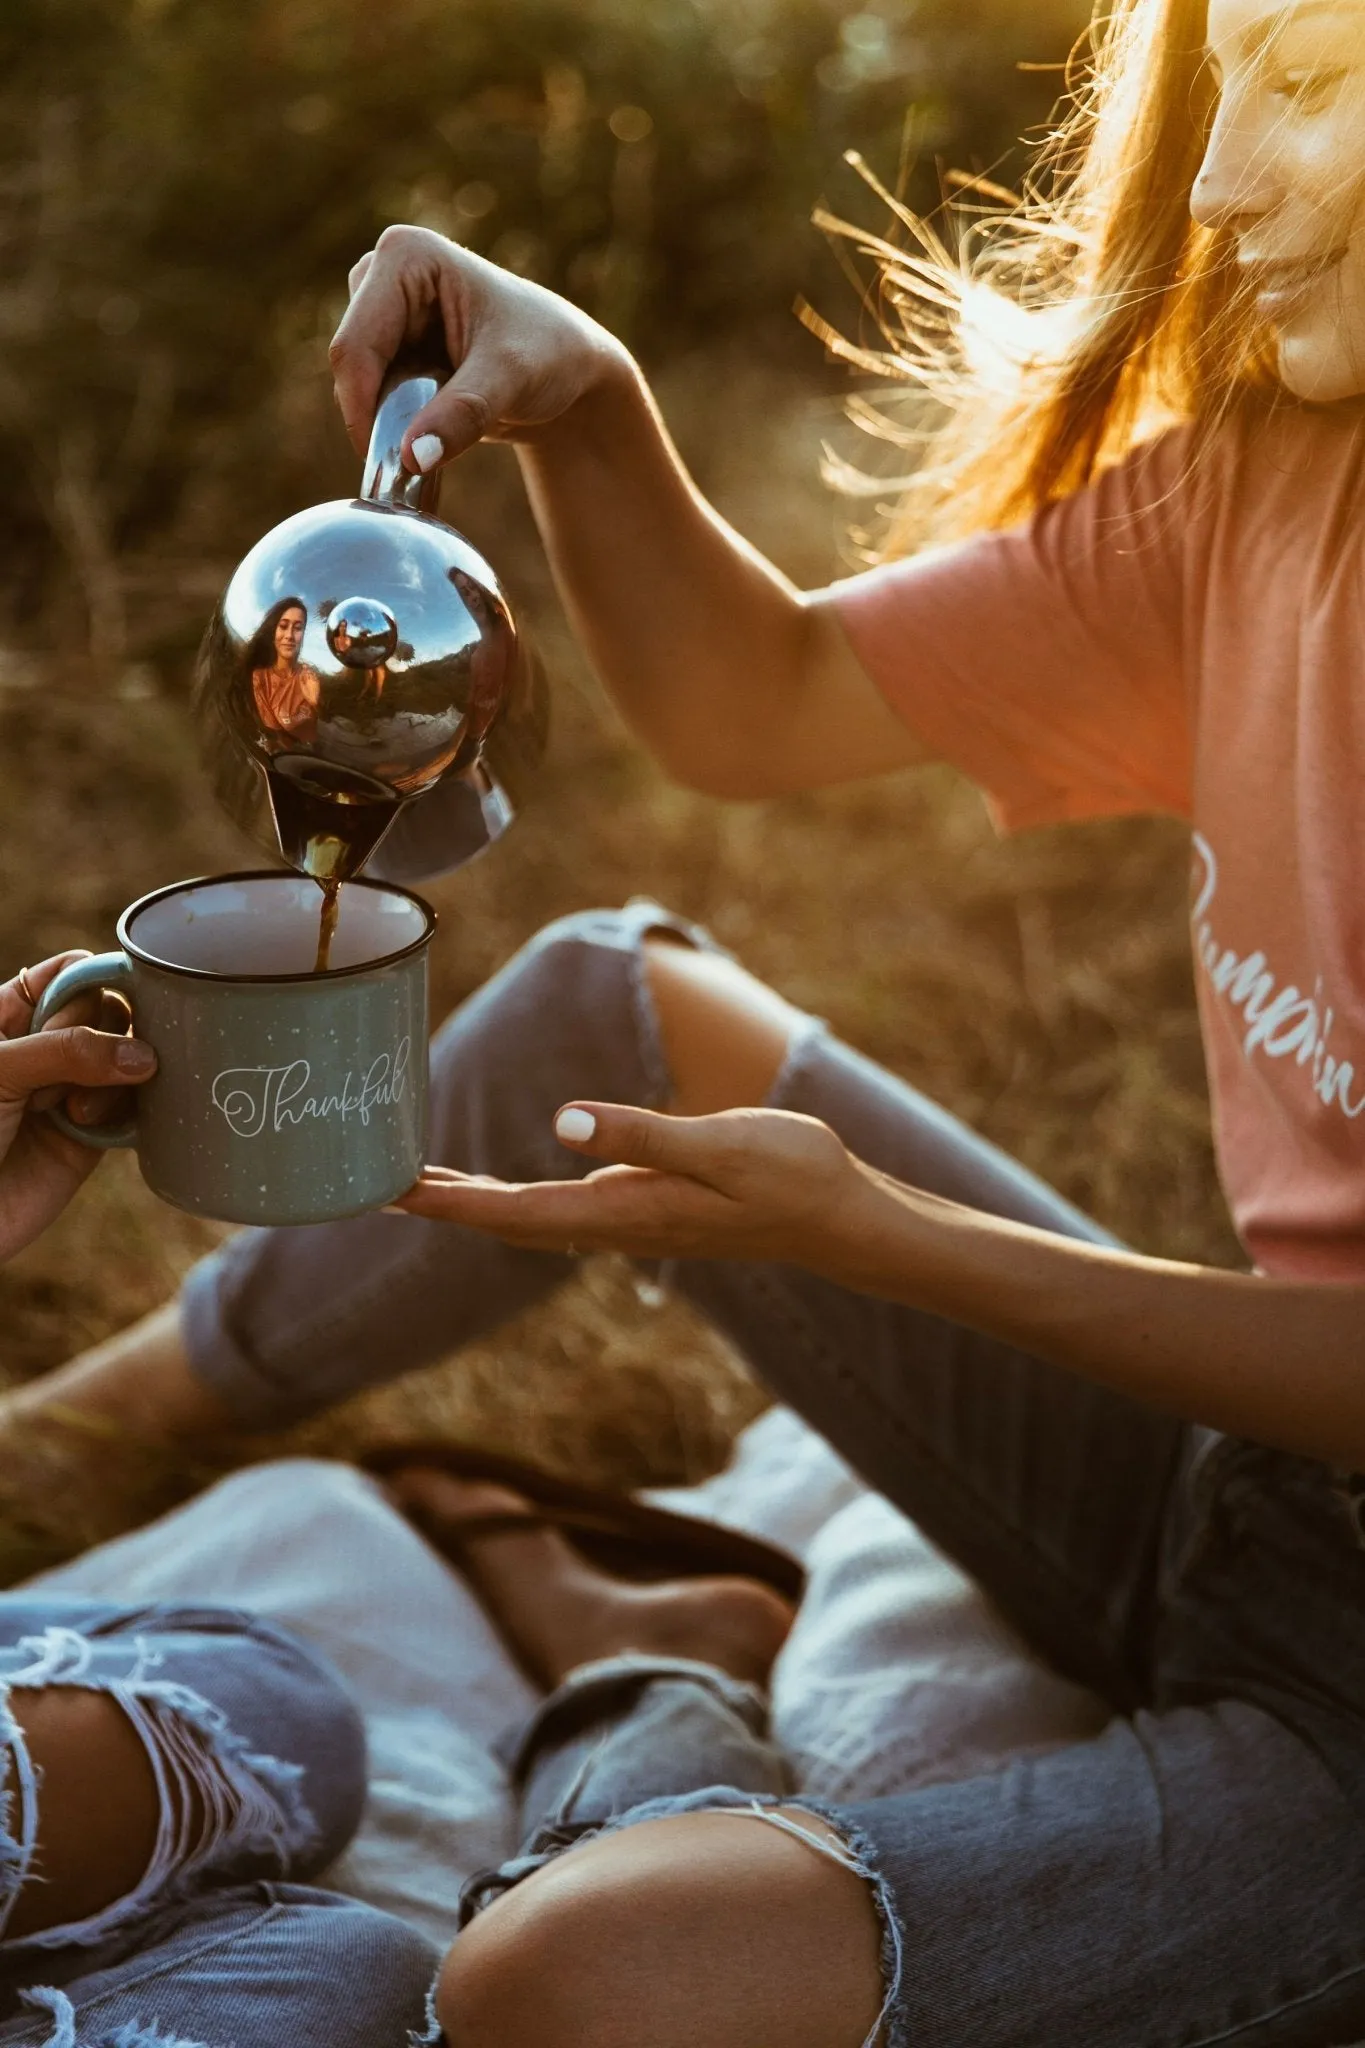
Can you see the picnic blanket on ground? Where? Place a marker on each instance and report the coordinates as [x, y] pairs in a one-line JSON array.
[[896, 1674]]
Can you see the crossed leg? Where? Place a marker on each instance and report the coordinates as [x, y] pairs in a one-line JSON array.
[[724, 1038], [699, 1930], [789, 1935]]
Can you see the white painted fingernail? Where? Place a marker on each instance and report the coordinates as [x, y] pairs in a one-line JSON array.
[[575, 1126], [427, 451]]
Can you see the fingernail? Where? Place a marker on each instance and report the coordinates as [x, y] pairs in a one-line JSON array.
[[131, 1056], [427, 451], [575, 1126], [392, 1209]]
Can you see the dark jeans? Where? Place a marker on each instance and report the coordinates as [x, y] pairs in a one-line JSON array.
[[1194, 1875]]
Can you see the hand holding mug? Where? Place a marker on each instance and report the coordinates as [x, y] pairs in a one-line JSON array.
[[281, 1094], [40, 1166]]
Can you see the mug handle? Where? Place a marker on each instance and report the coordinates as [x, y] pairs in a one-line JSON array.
[[111, 973]]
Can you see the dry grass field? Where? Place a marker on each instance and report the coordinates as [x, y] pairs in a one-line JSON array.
[[1037, 987]]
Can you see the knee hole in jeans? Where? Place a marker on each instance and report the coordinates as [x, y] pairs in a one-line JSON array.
[[725, 1035], [604, 1948], [98, 1807]]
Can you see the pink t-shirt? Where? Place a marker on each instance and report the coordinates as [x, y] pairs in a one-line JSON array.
[[1191, 639]]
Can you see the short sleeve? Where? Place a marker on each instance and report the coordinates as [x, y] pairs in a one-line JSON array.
[[1048, 661]]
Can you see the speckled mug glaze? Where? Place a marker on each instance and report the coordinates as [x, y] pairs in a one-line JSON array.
[[280, 1096]]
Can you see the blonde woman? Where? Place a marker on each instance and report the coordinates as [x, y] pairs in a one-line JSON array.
[[1152, 597]]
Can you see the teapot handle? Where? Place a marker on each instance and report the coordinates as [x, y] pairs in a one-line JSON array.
[[411, 383]]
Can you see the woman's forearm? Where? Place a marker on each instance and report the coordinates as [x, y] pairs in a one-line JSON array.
[[702, 644], [733, 680], [1277, 1361]]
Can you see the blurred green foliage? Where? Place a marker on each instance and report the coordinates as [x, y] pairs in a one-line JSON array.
[[185, 183]]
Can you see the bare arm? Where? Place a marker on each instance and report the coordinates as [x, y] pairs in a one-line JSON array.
[[1282, 1362], [734, 680], [1273, 1360]]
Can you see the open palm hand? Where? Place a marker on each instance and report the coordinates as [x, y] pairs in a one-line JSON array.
[[744, 1184]]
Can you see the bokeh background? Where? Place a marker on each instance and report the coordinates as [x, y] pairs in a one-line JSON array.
[[183, 187]]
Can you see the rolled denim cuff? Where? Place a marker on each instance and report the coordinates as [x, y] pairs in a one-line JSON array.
[[214, 1355], [607, 1689]]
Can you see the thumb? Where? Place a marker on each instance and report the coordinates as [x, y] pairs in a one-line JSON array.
[[483, 394], [697, 1146], [74, 1058]]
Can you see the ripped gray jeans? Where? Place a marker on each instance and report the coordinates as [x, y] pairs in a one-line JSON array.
[[258, 1757], [1195, 1874], [635, 1738]]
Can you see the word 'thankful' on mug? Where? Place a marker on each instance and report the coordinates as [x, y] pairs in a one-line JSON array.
[[259, 1099], [281, 1095]]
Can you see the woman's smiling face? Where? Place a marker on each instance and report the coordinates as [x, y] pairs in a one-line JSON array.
[[1284, 174], [289, 635]]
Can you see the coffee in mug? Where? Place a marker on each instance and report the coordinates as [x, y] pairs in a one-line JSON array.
[[281, 1095]]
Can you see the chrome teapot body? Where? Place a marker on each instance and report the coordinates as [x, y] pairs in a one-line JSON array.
[[363, 660]]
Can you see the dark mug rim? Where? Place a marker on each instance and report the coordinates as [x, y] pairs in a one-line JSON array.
[[127, 918]]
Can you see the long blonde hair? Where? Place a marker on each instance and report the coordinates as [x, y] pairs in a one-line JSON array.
[[1062, 327]]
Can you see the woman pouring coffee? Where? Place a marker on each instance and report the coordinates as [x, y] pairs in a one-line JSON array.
[[1144, 594]]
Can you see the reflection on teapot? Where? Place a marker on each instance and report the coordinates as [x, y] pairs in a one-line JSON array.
[[362, 655]]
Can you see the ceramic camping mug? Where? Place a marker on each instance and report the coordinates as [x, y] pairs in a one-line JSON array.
[[280, 1095]]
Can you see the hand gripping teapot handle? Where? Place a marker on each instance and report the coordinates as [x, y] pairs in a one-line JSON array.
[[412, 382]]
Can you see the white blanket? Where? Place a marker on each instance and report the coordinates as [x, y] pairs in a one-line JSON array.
[[896, 1674]]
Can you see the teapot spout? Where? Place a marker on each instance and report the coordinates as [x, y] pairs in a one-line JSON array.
[[402, 395]]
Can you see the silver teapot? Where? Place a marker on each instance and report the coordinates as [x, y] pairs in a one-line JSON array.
[[363, 673]]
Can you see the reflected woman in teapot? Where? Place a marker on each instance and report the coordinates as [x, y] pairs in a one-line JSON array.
[[287, 691]]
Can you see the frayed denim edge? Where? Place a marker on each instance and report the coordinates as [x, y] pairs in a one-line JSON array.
[[431, 2035], [809, 1033], [891, 2020], [889, 2028], [16, 1851], [129, 2034], [252, 1801], [648, 917]]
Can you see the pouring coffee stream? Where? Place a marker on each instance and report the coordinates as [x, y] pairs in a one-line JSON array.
[[363, 667], [327, 926], [361, 683]]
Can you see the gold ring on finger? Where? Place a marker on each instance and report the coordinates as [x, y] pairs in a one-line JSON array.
[[25, 991]]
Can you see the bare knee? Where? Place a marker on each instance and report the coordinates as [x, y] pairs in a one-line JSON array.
[[725, 1035], [703, 1928], [519, 1976], [98, 1806]]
